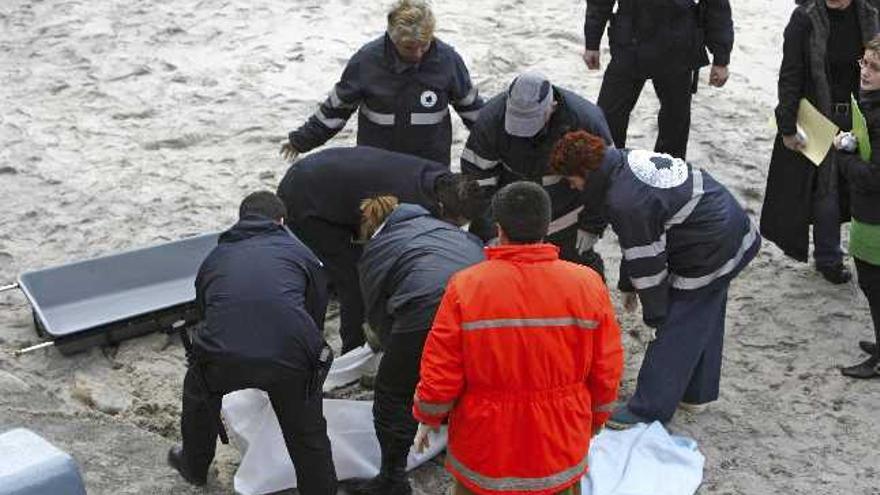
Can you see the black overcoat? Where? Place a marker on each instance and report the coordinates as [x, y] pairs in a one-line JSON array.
[[792, 180]]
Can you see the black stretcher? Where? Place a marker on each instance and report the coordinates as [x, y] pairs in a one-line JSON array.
[[112, 298]]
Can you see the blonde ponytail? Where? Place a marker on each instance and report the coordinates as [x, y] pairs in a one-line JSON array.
[[374, 211]]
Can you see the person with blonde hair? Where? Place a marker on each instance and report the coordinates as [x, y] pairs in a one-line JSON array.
[[408, 258], [402, 85]]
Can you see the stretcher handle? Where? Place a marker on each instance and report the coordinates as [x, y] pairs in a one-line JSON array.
[[33, 348], [4, 288]]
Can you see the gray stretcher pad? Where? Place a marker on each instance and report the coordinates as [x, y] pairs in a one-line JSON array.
[[119, 296]]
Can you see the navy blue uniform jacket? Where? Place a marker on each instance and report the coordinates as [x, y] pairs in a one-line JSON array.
[[677, 226], [496, 158], [402, 107], [330, 184], [263, 296]]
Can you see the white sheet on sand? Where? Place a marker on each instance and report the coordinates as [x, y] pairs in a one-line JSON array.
[[643, 460], [265, 465]]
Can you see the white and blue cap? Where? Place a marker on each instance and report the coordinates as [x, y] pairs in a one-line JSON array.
[[529, 99]]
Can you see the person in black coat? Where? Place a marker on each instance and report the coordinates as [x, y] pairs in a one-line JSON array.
[[402, 85], [664, 41], [823, 40], [322, 194], [863, 178], [262, 295], [404, 269]]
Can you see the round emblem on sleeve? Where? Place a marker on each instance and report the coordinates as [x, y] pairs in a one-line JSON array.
[[429, 99], [658, 169]]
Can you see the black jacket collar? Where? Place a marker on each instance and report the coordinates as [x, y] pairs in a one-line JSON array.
[[249, 226]]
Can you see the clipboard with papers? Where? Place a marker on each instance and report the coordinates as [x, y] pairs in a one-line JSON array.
[[816, 130]]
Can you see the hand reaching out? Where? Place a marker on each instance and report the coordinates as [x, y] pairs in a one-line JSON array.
[[288, 152]]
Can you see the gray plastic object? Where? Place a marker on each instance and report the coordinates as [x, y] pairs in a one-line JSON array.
[[29, 465], [112, 298]]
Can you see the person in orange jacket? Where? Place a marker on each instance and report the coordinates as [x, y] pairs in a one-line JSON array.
[[523, 360]]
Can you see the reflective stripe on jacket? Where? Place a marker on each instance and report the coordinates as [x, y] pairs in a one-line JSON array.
[[402, 107], [524, 358], [678, 227]]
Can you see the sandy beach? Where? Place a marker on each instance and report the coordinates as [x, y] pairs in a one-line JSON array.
[[126, 124]]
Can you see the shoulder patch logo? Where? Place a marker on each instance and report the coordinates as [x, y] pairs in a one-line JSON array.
[[658, 169], [429, 99]]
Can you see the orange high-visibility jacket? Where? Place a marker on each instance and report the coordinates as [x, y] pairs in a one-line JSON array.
[[524, 357]]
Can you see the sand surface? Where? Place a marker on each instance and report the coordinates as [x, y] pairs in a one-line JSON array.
[[124, 124]]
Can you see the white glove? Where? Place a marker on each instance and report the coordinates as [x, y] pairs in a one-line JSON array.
[[585, 241], [422, 440]]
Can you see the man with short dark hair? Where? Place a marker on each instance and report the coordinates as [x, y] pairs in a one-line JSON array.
[[512, 141], [523, 212], [525, 348], [262, 295]]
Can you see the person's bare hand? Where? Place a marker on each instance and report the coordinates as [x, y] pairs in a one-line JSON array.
[[592, 59], [421, 441], [793, 142], [630, 301], [718, 75], [288, 152], [838, 140]]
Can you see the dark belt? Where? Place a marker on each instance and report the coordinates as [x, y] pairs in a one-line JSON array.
[[840, 108]]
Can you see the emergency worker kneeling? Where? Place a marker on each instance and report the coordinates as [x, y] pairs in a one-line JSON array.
[[263, 297]]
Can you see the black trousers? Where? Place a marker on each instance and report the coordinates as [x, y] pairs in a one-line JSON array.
[[869, 281], [621, 87], [301, 419], [392, 406], [332, 244], [826, 207]]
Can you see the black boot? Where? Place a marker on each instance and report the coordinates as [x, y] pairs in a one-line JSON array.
[[837, 273], [392, 479], [176, 460], [868, 368], [868, 347]]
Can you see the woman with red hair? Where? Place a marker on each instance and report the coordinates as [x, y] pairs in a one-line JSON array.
[[684, 238]]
